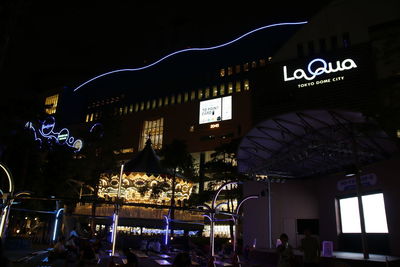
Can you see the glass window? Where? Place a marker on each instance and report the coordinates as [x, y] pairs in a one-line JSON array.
[[237, 68], [148, 104], [322, 45], [126, 110], [311, 48], [91, 117], [300, 50], [160, 102], [166, 101], [50, 104], [253, 64], [87, 117], [154, 104], [153, 129], [246, 85], [222, 72], [230, 71], [238, 86], [186, 97], [142, 106], [136, 107], [192, 95], [215, 90], [230, 88], [172, 99], [374, 214], [246, 67], [131, 108], [200, 94], [346, 39], [222, 89], [207, 93], [179, 98]]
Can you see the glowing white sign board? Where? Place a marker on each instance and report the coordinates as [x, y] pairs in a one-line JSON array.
[[318, 67], [218, 109]]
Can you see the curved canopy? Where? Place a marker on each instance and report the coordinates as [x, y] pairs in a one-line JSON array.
[[313, 142]]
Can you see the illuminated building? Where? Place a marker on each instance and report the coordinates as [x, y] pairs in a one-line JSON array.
[[317, 66]]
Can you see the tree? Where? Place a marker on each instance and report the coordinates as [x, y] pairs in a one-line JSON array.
[[176, 159]]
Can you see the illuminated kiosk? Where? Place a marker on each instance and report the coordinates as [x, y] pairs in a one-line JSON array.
[[144, 182]]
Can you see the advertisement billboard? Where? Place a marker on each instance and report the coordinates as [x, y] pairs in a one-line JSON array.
[[218, 109]]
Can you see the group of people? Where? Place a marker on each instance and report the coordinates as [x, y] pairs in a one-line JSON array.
[[309, 246], [74, 249]]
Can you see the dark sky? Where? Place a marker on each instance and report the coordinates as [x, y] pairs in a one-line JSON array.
[[64, 43]]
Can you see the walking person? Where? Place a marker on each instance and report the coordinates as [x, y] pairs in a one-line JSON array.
[[311, 248], [285, 252]]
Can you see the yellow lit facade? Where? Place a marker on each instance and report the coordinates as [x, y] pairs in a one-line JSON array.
[[138, 188], [51, 104]]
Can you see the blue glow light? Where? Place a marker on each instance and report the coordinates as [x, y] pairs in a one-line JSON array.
[[47, 132], [56, 223], [190, 49]]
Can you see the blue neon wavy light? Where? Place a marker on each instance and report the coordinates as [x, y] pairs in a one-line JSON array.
[[191, 49]]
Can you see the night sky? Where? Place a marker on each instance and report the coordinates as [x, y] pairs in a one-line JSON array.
[[53, 44]]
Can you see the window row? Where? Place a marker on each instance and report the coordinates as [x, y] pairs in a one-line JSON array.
[[200, 94], [243, 68], [323, 45]]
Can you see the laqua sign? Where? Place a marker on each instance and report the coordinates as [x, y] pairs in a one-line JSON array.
[[47, 133], [318, 67]]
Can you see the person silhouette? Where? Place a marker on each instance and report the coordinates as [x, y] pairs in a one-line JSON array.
[[311, 249], [285, 252]]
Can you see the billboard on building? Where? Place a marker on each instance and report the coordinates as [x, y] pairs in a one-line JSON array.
[[217, 109]]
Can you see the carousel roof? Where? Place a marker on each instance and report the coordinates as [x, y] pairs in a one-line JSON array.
[[312, 143], [146, 161]]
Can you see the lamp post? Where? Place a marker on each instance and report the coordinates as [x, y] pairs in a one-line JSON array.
[[7, 200], [211, 213], [116, 213]]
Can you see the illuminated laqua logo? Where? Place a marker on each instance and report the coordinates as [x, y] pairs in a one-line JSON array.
[[191, 49], [318, 67], [46, 133]]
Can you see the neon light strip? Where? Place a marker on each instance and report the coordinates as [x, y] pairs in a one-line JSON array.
[[10, 180], [166, 230], [191, 49], [56, 224]]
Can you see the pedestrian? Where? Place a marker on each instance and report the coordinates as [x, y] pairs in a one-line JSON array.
[[311, 249], [285, 252]]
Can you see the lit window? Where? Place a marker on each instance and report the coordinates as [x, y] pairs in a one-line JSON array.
[[237, 68], [126, 110], [172, 100], [230, 71], [191, 129], [142, 106], [131, 108], [230, 88], [154, 104], [136, 107], [374, 214], [215, 90], [222, 72], [160, 102], [179, 99], [87, 118], [222, 89], [200, 94], [166, 101], [238, 86], [192, 95], [246, 67], [262, 62], [246, 85], [148, 105], [207, 93], [91, 117], [154, 130], [51, 104], [121, 110], [186, 97], [253, 64]]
